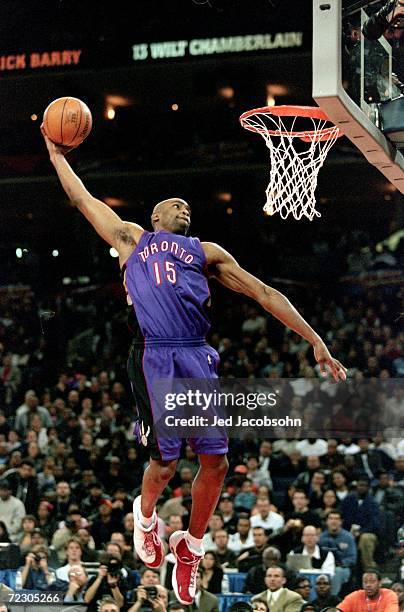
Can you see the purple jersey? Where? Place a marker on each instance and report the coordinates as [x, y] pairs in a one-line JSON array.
[[166, 281]]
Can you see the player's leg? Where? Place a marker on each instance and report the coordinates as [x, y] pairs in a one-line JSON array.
[[155, 479], [206, 490], [145, 534], [187, 545]]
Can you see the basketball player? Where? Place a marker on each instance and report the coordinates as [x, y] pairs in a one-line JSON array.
[[166, 278]]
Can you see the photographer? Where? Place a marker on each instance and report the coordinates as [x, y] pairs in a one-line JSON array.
[[108, 583], [152, 598], [78, 578], [36, 574], [150, 595], [391, 15]]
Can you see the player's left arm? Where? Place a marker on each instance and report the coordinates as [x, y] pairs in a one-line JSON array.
[[227, 271]]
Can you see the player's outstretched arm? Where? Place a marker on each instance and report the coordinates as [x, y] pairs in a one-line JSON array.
[[120, 234], [225, 268]]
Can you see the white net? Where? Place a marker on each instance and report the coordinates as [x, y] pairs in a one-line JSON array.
[[296, 158]]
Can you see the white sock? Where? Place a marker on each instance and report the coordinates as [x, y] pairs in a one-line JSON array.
[[194, 543], [144, 521]]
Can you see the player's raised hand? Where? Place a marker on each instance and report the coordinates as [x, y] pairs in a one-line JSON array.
[[53, 148], [323, 358]]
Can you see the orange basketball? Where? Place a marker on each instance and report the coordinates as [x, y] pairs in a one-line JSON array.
[[67, 121]]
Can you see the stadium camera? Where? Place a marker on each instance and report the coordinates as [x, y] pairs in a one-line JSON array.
[[391, 15]]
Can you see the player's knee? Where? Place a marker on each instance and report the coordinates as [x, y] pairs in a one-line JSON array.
[[164, 471], [216, 463]]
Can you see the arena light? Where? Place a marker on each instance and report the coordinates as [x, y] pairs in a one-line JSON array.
[[66, 280], [118, 100], [226, 92], [110, 113], [174, 107], [55, 253], [18, 253], [224, 196], [113, 252], [34, 117]]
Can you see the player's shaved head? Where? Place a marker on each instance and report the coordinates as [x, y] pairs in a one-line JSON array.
[[171, 215]]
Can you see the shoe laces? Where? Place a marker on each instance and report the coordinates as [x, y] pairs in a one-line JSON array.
[[149, 545], [194, 563]]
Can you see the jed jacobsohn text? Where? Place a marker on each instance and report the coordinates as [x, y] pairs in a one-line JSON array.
[[239, 421], [194, 398]]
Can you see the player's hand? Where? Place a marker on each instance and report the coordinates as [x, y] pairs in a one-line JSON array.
[[53, 148], [323, 358]]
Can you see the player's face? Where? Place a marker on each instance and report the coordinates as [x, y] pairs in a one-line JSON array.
[[174, 216]]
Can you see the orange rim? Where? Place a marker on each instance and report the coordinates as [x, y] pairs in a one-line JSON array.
[[309, 112]]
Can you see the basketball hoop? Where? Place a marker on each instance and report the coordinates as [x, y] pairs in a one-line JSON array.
[[298, 139]]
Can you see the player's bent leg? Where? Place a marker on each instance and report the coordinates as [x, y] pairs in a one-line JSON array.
[[187, 546], [146, 540]]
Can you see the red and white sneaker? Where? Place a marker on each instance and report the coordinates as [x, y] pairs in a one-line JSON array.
[[185, 568], [147, 541]]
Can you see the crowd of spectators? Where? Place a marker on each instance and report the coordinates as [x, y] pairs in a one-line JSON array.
[[70, 468]]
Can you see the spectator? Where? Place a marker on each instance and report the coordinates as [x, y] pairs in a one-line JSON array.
[[362, 516], [342, 543], [28, 525], [316, 489], [329, 503], [12, 511], [301, 511], [74, 552], [266, 518], [36, 574], [398, 472], [371, 596], [89, 554], [276, 593], [321, 558], [304, 478], [27, 410], [46, 523], [68, 530], [174, 523], [332, 459], [339, 480], [128, 559], [107, 583], [105, 524], [175, 504], [398, 588], [24, 485], [150, 580], [312, 447], [215, 523], [213, 578], [324, 597], [4, 537], [302, 586], [90, 504], [78, 579], [367, 462], [258, 475], [226, 507], [109, 605], [253, 556], [389, 497], [245, 498], [242, 539], [63, 500], [255, 579], [226, 557]]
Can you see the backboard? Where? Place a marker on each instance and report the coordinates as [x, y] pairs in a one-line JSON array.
[[353, 76]]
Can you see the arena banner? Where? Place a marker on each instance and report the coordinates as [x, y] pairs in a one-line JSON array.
[[277, 408], [197, 47], [130, 53]]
